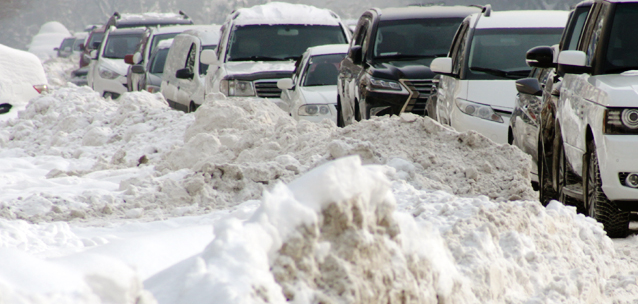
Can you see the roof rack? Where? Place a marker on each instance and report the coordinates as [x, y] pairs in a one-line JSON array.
[[487, 10]]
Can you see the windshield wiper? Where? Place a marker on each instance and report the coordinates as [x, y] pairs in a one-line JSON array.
[[258, 58], [506, 74]]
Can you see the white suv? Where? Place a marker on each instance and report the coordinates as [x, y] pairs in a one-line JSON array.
[[259, 46], [588, 137], [107, 70], [477, 90]]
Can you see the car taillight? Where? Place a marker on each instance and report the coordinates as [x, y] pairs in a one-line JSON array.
[[41, 88]]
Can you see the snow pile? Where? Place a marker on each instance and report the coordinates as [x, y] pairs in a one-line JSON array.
[[47, 39], [333, 236]]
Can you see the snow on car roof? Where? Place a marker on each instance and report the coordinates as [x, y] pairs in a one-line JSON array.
[[328, 49], [523, 19], [209, 35], [284, 13], [147, 15], [176, 28]]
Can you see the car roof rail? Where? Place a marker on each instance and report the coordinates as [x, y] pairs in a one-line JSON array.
[[117, 15], [440, 3], [181, 12], [487, 10]]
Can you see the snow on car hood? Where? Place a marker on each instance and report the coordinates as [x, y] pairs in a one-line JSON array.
[[499, 94], [116, 65], [252, 67], [320, 94], [616, 90]]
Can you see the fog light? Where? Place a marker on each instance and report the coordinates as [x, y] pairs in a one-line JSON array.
[[632, 180]]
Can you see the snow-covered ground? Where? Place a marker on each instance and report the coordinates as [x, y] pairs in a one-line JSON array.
[[128, 201]]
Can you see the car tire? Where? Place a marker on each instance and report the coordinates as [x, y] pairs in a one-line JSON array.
[[192, 107], [614, 220], [564, 177], [357, 112], [546, 191], [339, 114]]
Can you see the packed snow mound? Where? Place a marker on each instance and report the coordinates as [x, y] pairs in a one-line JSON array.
[[78, 279], [47, 39], [230, 151], [338, 235], [285, 13]]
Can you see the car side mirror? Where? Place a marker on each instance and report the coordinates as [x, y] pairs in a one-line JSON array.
[[442, 65], [529, 86], [573, 62], [128, 59], [356, 54], [56, 49], [138, 69], [209, 57], [540, 57], [5, 108], [184, 73], [285, 84], [137, 58]]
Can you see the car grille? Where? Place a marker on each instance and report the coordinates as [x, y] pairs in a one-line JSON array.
[[420, 91], [267, 89]]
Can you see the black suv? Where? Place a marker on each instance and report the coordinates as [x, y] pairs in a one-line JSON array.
[[387, 69]]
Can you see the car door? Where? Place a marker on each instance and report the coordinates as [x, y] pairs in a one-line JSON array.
[[186, 87], [349, 71], [174, 61], [449, 85], [291, 97]]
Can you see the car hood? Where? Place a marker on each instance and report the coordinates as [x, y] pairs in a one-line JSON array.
[[395, 70], [500, 94], [115, 65], [618, 90], [259, 70], [320, 94]]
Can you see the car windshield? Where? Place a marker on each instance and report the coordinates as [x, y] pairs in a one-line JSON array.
[[323, 70], [500, 53], [96, 37], [118, 46], [204, 67], [67, 42], [159, 37], [279, 42], [158, 61], [415, 38], [622, 48]]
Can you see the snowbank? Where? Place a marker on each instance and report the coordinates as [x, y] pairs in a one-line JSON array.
[[49, 37], [334, 236]]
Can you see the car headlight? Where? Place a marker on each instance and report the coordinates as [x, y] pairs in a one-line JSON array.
[[478, 110], [621, 121], [152, 88], [383, 84], [234, 87], [107, 74], [314, 110]]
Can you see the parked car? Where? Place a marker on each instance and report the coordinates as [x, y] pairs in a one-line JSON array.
[[147, 19], [476, 90], [387, 67], [107, 71], [588, 134], [71, 45], [259, 46], [311, 93], [93, 42], [146, 47], [22, 78], [183, 81], [151, 74]]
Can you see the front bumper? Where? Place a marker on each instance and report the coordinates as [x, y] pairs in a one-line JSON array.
[[383, 103], [618, 154]]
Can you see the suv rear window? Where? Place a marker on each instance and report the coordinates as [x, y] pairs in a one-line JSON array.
[[280, 42], [427, 38]]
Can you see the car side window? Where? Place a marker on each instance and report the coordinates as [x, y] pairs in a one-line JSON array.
[[458, 48], [190, 59], [575, 28], [361, 30], [596, 32]]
